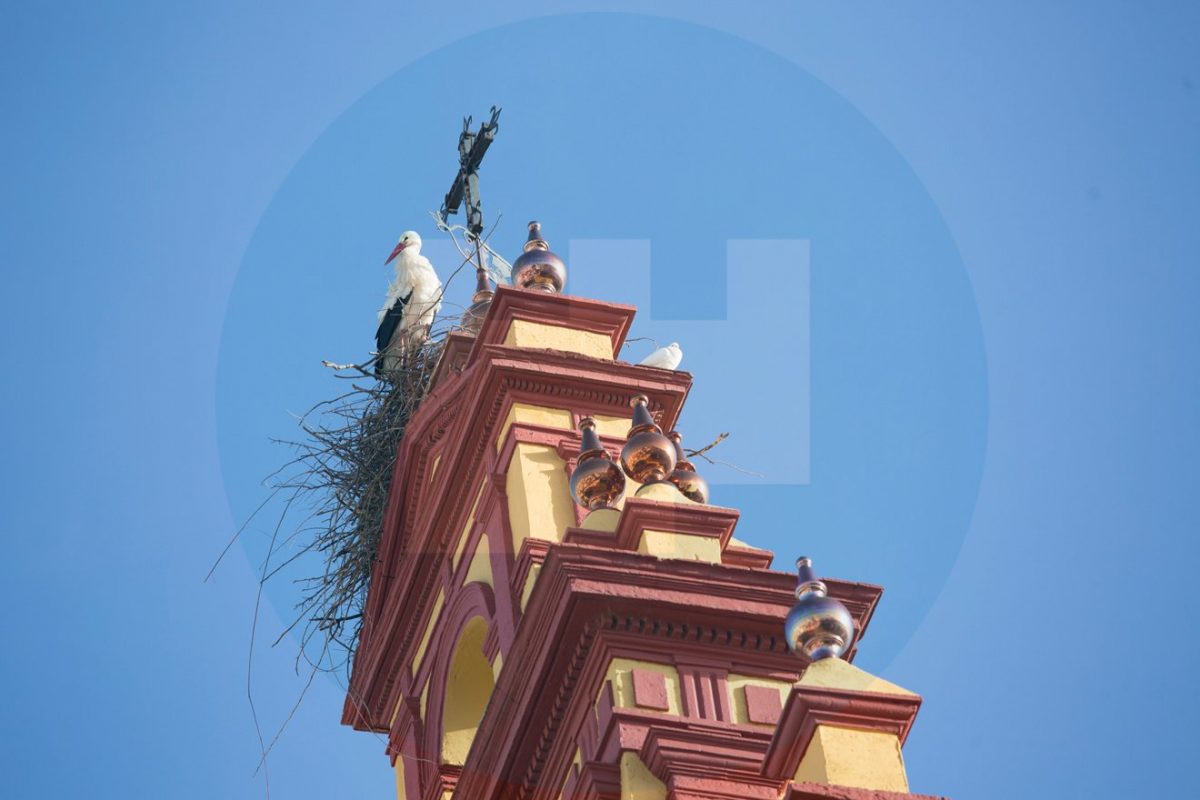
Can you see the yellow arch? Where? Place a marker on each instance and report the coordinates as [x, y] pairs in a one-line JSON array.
[[469, 685]]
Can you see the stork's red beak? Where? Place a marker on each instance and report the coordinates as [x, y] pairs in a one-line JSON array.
[[399, 249]]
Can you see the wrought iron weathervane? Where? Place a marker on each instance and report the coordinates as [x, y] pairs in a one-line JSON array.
[[471, 149]]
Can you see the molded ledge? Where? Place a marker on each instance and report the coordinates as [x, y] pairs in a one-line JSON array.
[[820, 791], [563, 311], [807, 707], [640, 515]]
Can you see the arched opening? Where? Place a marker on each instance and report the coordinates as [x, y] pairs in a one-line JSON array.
[[469, 684]]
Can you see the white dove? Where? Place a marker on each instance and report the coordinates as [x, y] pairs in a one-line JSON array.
[[664, 357], [413, 299]]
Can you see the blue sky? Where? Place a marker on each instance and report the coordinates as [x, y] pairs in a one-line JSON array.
[[988, 225]]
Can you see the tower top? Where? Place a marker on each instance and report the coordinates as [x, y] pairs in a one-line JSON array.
[[521, 644]]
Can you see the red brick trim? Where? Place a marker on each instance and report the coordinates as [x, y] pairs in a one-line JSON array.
[[649, 689], [763, 705], [589, 602]]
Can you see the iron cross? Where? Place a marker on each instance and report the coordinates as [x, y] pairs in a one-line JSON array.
[[471, 148]]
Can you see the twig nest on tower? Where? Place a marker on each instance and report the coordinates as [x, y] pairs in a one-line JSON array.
[[648, 456], [818, 626], [538, 268], [596, 481]]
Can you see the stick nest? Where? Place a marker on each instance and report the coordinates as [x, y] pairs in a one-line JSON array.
[[340, 477]]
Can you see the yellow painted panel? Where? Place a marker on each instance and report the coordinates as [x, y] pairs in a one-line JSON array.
[[833, 673], [480, 570], [437, 610], [530, 414], [433, 469], [539, 497], [662, 492], [619, 674], [462, 539], [526, 333], [737, 688], [812, 765], [638, 782], [617, 427], [469, 685], [497, 665], [601, 519], [686, 546], [849, 757], [632, 487], [425, 699]]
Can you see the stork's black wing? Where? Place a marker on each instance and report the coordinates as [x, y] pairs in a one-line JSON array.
[[389, 323]]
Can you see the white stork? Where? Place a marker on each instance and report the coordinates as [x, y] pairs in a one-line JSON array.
[[413, 299]]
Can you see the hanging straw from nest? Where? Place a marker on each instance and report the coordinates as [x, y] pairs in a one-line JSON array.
[[334, 494], [343, 468], [334, 490]]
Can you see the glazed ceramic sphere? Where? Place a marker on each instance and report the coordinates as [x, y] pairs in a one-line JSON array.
[[684, 476], [597, 482], [538, 268], [689, 483], [648, 456], [819, 626]]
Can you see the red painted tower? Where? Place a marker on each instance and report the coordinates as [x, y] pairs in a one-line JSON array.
[[519, 645]]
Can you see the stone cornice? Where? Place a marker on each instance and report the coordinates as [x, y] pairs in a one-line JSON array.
[[641, 514], [587, 595], [508, 304], [810, 706], [821, 791]]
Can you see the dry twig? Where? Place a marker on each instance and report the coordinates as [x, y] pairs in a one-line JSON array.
[[707, 447]]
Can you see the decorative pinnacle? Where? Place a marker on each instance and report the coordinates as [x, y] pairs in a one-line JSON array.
[[535, 240], [818, 626], [641, 413], [690, 484], [648, 456], [537, 268], [807, 580], [483, 286], [481, 301], [591, 439], [596, 481]]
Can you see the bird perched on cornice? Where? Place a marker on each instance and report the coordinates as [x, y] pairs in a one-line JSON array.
[[664, 357], [413, 299]]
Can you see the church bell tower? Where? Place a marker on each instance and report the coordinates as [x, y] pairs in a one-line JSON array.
[[557, 611]]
